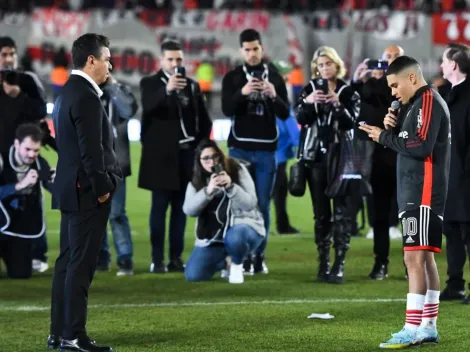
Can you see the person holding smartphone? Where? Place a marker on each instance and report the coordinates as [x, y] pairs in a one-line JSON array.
[[327, 110], [253, 96], [174, 121], [222, 196], [382, 206]]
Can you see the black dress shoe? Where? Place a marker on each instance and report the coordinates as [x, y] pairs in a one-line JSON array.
[[53, 342], [176, 266], [83, 345], [452, 295]]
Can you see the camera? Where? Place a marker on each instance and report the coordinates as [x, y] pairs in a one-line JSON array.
[[181, 70], [322, 84], [217, 169], [377, 64]]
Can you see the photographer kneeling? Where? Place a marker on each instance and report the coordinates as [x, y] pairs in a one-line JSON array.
[[22, 174], [223, 198]]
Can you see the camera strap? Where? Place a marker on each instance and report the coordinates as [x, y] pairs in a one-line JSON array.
[[264, 76]]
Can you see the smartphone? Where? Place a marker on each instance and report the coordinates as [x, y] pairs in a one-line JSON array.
[[181, 70], [257, 74], [322, 84], [217, 169], [377, 64]]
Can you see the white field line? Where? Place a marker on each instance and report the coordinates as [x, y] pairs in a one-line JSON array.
[[211, 304]]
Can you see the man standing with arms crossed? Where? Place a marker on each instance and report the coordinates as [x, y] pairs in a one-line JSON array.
[[87, 175], [423, 147]]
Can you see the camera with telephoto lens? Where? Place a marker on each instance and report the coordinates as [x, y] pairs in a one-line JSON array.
[[217, 169]]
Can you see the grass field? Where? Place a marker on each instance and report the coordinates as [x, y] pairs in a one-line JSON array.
[[150, 312]]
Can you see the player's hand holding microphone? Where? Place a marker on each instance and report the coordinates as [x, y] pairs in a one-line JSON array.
[[391, 119]]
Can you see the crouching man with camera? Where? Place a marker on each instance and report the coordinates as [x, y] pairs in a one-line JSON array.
[[222, 196], [21, 200]]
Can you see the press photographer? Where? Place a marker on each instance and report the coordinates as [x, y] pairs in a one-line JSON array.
[[253, 96], [21, 176], [174, 121], [369, 81], [22, 98], [327, 110], [223, 198]]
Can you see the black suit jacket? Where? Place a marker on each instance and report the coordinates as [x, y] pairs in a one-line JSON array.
[[87, 167]]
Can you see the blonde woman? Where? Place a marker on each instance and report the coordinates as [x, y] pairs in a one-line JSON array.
[[327, 110]]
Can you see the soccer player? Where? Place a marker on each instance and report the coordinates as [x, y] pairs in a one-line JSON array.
[[421, 139]]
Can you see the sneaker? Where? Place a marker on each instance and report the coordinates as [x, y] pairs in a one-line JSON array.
[[224, 274], [259, 265], [379, 272], [426, 335], [236, 274], [125, 268], [160, 268], [394, 233], [248, 268], [39, 266], [402, 339], [370, 234]]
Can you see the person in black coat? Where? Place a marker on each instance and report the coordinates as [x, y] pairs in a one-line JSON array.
[[376, 98], [455, 68], [87, 175], [174, 121], [327, 110]]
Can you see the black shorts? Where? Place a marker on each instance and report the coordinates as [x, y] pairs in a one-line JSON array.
[[422, 230]]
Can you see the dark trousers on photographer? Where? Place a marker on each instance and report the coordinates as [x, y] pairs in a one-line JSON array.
[[280, 199], [383, 182], [457, 249], [16, 253], [330, 227], [160, 201]]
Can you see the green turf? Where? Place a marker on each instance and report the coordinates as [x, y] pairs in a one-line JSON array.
[[149, 312]]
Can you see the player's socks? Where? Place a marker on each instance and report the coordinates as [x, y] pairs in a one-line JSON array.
[[414, 311], [431, 309]]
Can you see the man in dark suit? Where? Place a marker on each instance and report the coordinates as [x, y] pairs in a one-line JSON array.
[[87, 175], [456, 69], [174, 120]]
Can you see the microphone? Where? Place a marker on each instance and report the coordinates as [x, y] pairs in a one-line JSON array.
[[395, 106]]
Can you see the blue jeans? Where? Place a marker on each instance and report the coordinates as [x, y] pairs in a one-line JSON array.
[[204, 262], [160, 201], [263, 170], [120, 227]]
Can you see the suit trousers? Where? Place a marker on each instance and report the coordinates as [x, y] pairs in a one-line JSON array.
[[81, 235], [457, 249]]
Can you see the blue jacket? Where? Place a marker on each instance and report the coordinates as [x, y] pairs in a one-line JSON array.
[[288, 141]]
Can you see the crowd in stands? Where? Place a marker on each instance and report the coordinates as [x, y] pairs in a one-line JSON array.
[[284, 5]]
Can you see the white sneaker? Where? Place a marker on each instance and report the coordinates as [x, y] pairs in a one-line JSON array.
[[370, 234], [224, 274], [39, 266], [236, 274], [394, 232]]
